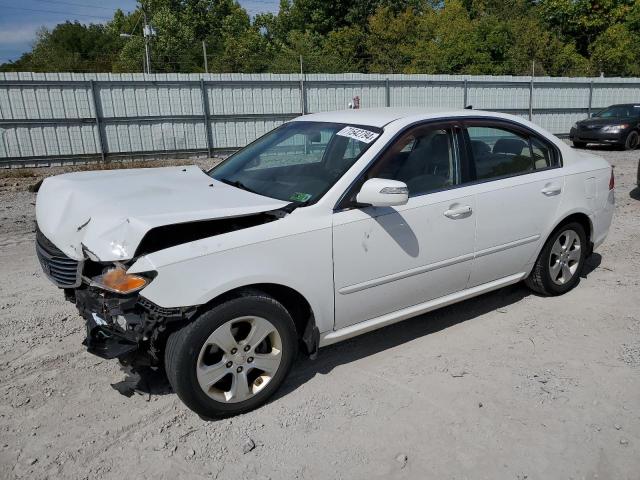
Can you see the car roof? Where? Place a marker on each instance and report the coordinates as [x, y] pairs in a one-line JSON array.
[[379, 117]]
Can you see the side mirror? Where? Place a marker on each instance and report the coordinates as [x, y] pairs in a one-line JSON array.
[[379, 192]]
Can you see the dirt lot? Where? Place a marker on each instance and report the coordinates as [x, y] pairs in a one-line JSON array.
[[508, 385]]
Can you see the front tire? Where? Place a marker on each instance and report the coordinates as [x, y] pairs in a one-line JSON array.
[[232, 358], [559, 265], [631, 142]]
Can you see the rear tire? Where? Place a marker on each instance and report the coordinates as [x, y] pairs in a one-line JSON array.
[[578, 144], [559, 265], [219, 344], [631, 142]]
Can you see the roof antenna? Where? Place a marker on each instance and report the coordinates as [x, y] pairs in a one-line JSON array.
[[469, 107]]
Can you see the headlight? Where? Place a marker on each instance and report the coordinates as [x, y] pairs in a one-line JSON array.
[[614, 128], [117, 280]]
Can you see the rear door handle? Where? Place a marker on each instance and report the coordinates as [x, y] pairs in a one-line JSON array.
[[551, 190], [459, 212]]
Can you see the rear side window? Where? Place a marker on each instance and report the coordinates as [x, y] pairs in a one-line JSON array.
[[502, 152]]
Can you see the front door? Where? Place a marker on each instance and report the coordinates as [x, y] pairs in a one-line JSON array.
[[387, 259]]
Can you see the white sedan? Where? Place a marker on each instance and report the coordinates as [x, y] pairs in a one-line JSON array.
[[329, 226]]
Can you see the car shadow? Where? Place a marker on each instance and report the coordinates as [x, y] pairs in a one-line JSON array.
[[397, 334], [604, 148], [149, 381], [394, 224], [635, 193], [144, 381], [400, 333], [590, 264]]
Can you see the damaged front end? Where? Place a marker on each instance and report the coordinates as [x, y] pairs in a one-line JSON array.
[[120, 322], [127, 327], [93, 226]]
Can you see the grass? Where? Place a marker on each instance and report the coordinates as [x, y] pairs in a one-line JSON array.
[[18, 173]]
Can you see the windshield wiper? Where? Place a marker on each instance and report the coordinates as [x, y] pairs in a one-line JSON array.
[[237, 184], [290, 207]]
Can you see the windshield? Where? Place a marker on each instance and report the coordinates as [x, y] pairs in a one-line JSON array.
[[619, 111], [297, 162]]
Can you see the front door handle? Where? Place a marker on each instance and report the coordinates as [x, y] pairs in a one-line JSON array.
[[459, 212], [551, 190]]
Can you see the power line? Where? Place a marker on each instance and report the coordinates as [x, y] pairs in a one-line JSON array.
[[136, 24], [61, 2], [68, 14]]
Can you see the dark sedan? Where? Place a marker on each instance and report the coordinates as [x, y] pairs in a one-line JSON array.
[[615, 125]]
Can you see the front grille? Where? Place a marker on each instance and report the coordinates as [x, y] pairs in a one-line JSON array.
[[65, 272]]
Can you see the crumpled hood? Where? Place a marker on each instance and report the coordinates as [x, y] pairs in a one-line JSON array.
[[109, 212]]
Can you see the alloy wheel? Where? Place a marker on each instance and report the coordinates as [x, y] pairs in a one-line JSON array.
[[239, 359], [565, 257]]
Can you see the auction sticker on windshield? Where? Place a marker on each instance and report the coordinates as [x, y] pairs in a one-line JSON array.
[[300, 197], [359, 134]]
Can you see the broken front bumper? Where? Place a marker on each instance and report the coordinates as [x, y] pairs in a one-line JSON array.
[[130, 327], [105, 342]]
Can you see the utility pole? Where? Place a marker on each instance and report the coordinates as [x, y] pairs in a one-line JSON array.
[[147, 32], [204, 54], [533, 73], [302, 101]]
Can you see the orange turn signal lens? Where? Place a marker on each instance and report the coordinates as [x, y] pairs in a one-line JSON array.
[[118, 280]]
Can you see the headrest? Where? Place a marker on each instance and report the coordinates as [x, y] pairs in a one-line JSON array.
[[509, 145]]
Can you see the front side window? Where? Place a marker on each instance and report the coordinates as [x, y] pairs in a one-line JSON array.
[[500, 152], [297, 162], [423, 158]]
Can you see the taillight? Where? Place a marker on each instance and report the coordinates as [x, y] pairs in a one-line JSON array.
[[612, 181]]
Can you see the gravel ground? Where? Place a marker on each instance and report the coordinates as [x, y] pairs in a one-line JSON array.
[[507, 385]]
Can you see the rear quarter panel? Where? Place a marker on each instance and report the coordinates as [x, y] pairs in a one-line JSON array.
[[586, 190]]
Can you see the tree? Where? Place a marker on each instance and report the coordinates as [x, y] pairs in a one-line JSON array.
[[72, 47], [513, 45], [617, 52], [241, 46], [390, 40], [499, 37], [322, 16], [345, 51], [582, 21], [449, 43]]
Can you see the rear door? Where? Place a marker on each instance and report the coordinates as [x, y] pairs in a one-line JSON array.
[[518, 188]]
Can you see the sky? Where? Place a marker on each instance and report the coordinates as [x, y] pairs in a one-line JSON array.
[[20, 19]]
